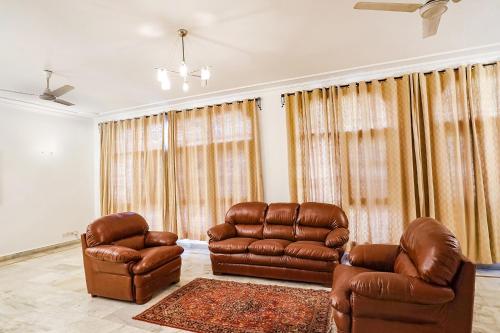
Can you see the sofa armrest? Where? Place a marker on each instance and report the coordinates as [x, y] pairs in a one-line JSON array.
[[113, 253], [379, 257], [337, 237], [160, 238], [399, 288], [221, 232]]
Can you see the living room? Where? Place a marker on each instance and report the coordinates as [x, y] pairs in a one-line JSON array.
[[264, 166]]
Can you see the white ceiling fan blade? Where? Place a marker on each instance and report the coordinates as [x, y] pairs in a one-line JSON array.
[[388, 6], [431, 25], [62, 90], [63, 102], [17, 92]]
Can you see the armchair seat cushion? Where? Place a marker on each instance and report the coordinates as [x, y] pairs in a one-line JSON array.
[[311, 250], [154, 257], [231, 245], [269, 247], [341, 291]]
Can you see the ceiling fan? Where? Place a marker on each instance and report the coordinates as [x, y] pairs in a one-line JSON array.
[[50, 95], [431, 11]]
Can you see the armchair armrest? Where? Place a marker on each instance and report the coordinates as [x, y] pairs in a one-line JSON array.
[[160, 238], [400, 288], [113, 253], [221, 232], [379, 257], [337, 237]]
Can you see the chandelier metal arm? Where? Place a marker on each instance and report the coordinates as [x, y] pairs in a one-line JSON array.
[[162, 73], [192, 73]]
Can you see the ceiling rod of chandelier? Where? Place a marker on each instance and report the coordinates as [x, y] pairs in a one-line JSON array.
[[162, 73]]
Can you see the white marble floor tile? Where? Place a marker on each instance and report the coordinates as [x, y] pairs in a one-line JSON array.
[[47, 293]]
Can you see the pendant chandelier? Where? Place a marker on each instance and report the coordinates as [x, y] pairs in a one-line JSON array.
[[163, 74]]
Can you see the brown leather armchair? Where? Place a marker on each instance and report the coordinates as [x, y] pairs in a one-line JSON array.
[[123, 260], [423, 285], [280, 241]]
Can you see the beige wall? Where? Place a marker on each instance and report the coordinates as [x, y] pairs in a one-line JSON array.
[[273, 144], [46, 178]]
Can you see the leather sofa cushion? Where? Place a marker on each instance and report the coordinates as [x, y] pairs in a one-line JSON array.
[[316, 220], [246, 213], [247, 218], [134, 242], [311, 250], [379, 257], [221, 232], [433, 249], [280, 220], [279, 231], [341, 291], [403, 265], [323, 215], [111, 228], [315, 234], [231, 245], [282, 213], [160, 238], [269, 247], [155, 257], [338, 237], [249, 231]]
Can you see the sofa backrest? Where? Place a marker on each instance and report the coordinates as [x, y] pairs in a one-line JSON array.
[[125, 229], [433, 251], [247, 218], [316, 220], [280, 221], [309, 221]]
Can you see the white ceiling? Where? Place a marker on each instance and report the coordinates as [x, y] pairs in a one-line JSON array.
[[108, 49]]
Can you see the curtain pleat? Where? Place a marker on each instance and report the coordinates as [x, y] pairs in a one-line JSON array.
[[426, 144]]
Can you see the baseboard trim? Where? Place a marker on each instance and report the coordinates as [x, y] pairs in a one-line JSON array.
[[31, 252]]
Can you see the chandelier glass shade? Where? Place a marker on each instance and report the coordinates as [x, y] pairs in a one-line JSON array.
[[163, 74]]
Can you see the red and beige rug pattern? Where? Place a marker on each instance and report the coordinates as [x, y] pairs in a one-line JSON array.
[[214, 306]]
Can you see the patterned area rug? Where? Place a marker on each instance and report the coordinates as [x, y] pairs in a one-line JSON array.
[[214, 306]]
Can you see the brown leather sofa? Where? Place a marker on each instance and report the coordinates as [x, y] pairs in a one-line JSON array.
[[423, 285], [280, 241], [125, 261]]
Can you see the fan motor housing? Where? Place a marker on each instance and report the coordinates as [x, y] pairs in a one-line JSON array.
[[47, 97], [434, 8]]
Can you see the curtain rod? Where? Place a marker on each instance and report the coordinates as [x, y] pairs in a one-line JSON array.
[[257, 101], [380, 80]]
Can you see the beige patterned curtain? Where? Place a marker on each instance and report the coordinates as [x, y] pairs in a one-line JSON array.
[[132, 167], [214, 162], [352, 146], [374, 140], [457, 135], [314, 168], [420, 145]]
